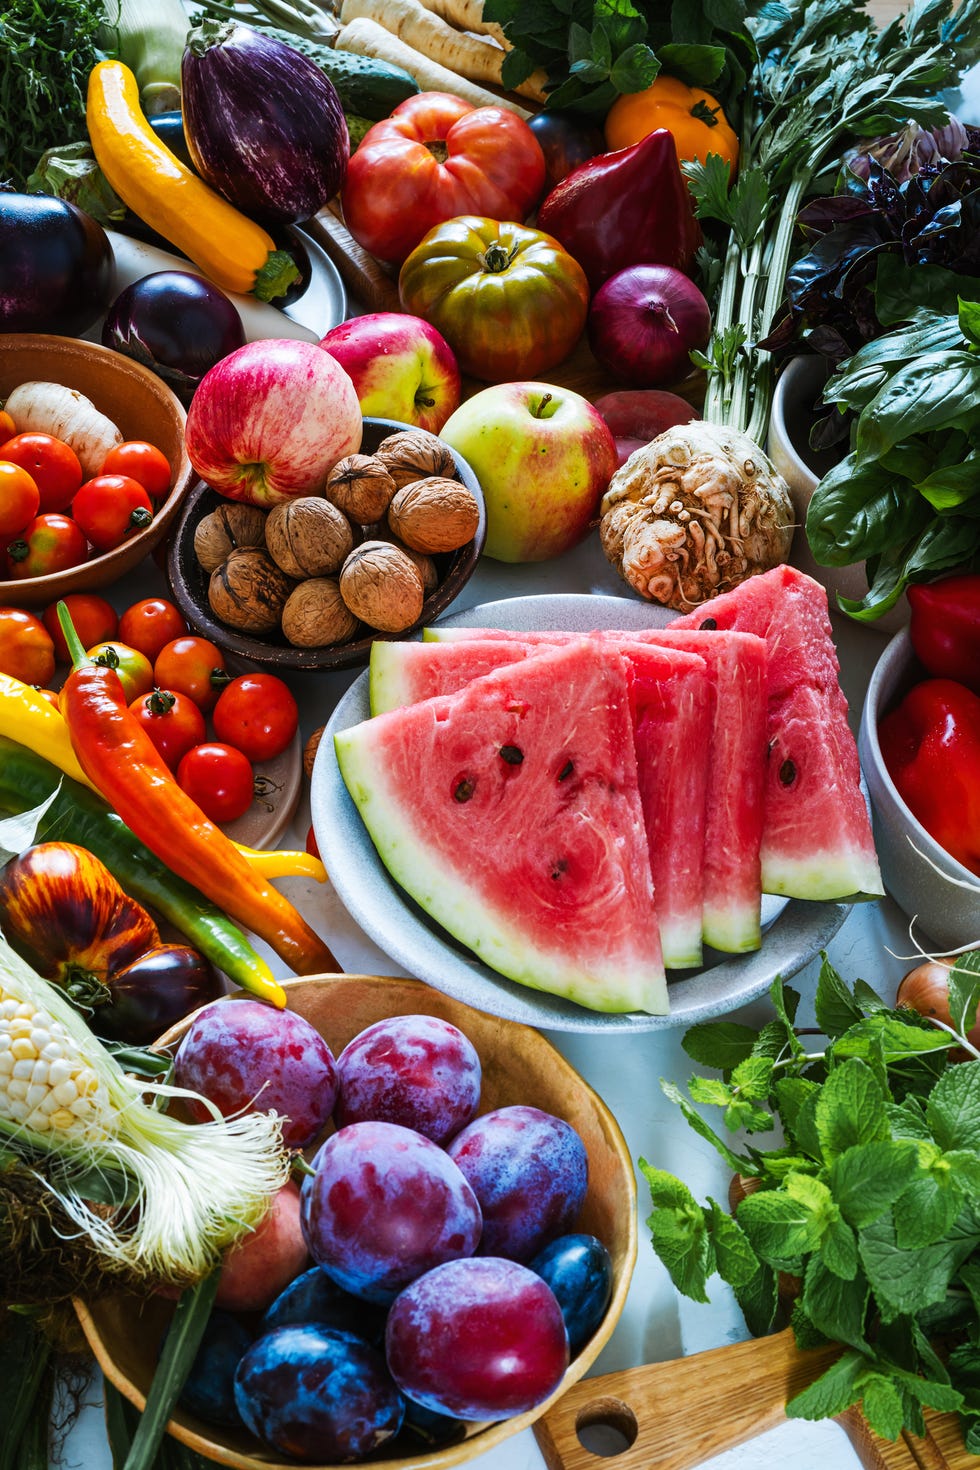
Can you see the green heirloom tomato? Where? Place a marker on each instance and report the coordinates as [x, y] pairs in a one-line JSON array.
[[510, 301]]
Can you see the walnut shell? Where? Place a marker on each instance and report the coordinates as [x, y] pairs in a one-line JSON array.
[[310, 749], [425, 567], [315, 615], [434, 514], [381, 586], [411, 454], [360, 486], [248, 591], [308, 537], [225, 529]]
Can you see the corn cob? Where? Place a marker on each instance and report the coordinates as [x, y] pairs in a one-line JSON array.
[[46, 1084]]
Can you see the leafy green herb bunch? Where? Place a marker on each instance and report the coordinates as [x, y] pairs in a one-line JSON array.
[[869, 1197]]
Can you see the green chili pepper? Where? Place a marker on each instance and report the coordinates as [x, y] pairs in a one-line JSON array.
[[79, 815]]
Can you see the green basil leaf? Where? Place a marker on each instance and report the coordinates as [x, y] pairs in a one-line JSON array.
[[858, 511], [919, 396], [698, 66], [952, 485], [968, 312], [899, 287]]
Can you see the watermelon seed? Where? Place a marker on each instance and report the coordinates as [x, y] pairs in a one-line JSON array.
[[787, 773], [565, 771], [560, 869], [464, 789], [512, 754], [708, 623]]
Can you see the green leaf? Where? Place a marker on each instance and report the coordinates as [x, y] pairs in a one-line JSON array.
[[838, 1249], [850, 1108], [899, 288], [953, 1107], [951, 485], [868, 1178], [859, 510], [920, 396], [710, 1090], [907, 1120], [882, 1404], [835, 1008], [790, 1094], [709, 185], [833, 1392], [738, 1163], [781, 1229], [968, 313], [735, 1260], [698, 66], [753, 1077], [679, 1233], [719, 1044], [634, 69], [896, 1038], [964, 991], [906, 1280], [758, 1300], [837, 1307], [667, 1190], [926, 1210]]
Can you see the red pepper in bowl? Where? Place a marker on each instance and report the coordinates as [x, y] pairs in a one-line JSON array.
[[944, 626], [930, 744]]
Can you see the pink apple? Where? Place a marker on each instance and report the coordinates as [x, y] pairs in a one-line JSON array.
[[401, 367], [270, 421], [263, 1262], [543, 456], [637, 415]]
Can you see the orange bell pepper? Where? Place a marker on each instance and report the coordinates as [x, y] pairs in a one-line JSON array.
[[693, 117]]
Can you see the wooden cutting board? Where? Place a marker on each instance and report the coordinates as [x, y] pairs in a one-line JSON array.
[[676, 1415]]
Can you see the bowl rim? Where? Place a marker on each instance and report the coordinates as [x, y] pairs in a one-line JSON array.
[[896, 659], [482, 1436]]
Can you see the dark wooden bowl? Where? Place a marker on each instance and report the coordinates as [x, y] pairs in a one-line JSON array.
[[189, 581]]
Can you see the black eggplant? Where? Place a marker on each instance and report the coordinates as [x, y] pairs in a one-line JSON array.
[[264, 126], [176, 324], [56, 266]]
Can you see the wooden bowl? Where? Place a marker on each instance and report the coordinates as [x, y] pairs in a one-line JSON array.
[[519, 1066], [189, 581], [143, 407]]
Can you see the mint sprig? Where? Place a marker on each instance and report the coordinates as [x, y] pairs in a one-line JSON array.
[[867, 1198]]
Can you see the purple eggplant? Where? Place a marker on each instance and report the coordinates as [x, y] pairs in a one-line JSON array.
[[264, 125], [56, 266], [175, 324]]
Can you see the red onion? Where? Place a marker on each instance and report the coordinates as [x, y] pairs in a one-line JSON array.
[[643, 323]]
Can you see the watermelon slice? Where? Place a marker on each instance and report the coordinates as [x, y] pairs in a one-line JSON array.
[[673, 709], [817, 841], [514, 819]]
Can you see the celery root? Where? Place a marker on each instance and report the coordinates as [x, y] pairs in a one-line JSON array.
[[367, 37]]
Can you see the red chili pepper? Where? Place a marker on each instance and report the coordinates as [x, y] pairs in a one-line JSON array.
[[944, 626], [930, 744], [120, 759]]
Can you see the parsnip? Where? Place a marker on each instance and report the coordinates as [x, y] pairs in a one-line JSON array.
[[472, 57], [51, 408], [467, 15], [368, 38]]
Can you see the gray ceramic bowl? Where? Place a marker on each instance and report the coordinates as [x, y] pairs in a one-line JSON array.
[[913, 864]]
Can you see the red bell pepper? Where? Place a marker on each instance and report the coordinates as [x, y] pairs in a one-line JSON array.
[[930, 744], [944, 626]]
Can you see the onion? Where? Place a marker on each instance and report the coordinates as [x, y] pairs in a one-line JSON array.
[[176, 324], [643, 323]]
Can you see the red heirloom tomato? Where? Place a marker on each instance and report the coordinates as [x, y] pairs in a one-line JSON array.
[[219, 778], [173, 722], [110, 509], [150, 625], [49, 543], [51, 463], [258, 714], [134, 668], [437, 156], [26, 646], [510, 301], [142, 462], [20, 499], [93, 618]]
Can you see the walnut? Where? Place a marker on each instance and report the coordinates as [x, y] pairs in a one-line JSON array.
[[382, 587], [310, 749], [434, 514], [315, 614], [308, 537], [425, 567], [248, 591], [413, 453], [226, 528], [361, 487]]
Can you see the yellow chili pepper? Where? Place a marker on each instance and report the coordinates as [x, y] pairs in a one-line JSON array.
[[30, 719], [693, 117], [284, 863]]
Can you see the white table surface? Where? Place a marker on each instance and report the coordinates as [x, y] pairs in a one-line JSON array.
[[657, 1323]]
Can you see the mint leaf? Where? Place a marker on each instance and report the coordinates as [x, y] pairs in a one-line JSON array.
[[736, 1162], [953, 1108], [758, 1300], [805, 1131], [908, 1120], [735, 1260], [837, 1308], [891, 1037], [850, 1108], [964, 989], [838, 1249], [667, 1190], [790, 1094], [679, 1232], [781, 1229], [869, 1177], [710, 1090], [835, 1007], [906, 1280], [833, 1392], [882, 1405], [927, 1209], [753, 1078], [718, 1044], [940, 1396]]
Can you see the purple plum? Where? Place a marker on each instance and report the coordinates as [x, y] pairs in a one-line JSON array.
[[419, 1071]]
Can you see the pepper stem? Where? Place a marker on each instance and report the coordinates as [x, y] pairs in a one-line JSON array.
[[76, 650]]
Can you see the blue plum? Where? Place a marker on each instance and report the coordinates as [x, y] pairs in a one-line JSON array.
[[578, 1269], [416, 1070], [209, 1389], [383, 1205], [480, 1338], [318, 1394], [529, 1170], [316, 1297]]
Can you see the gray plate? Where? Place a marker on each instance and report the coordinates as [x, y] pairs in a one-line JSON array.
[[794, 930]]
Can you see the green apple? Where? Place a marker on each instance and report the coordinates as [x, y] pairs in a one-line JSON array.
[[543, 456]]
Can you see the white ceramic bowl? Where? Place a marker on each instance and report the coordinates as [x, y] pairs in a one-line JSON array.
[[913, 864], [796, 392]]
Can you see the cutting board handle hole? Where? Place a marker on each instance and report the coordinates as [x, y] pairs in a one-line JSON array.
[[606, 1427]]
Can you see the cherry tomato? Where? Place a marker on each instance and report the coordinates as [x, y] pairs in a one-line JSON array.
[[150, 625], [49, 543], [52, 464], [173, 722], [142, 462], [93, 618], [258, 714], [20, 499], [311, 844], [26, 647], [110, 509], [193, 666], [7, 425], [134, 668], [219, 778]]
